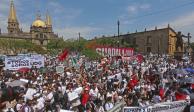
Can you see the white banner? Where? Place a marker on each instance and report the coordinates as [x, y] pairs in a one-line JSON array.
[[177, 106], [37, 60], [17, 62]]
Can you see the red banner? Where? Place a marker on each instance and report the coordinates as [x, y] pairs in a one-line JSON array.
[[111, 51]]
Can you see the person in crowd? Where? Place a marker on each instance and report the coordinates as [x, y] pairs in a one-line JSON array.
[[98, 85]]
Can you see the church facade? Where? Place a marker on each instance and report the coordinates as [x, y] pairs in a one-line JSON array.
[[41, 32]]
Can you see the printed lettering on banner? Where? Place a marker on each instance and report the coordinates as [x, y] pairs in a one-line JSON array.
[[17, 62], [105, 52], [102, 50], [111, 51], [37, 61], [23, 61], [177, 106]]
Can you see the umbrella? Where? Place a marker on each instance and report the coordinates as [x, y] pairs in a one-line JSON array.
[[179, 71], [16, 83], [23, 70], [189, 69]]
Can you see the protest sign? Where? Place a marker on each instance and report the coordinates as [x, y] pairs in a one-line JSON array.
[[60, 69], [37, 60], [24, 61], [17, 62], [72, 96]]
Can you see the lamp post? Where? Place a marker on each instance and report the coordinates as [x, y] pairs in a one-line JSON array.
[[158, 47], [188, 46], [118, 23]]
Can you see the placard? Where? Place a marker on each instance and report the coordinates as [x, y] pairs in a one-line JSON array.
[[60, 69]]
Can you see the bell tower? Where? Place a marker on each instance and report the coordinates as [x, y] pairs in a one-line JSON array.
[[48, 23], [13, 24]]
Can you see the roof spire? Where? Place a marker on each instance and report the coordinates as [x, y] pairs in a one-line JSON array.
[[38, 16], [48, 19], [12, 13]]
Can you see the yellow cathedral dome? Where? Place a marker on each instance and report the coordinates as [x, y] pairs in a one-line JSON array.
[[39, 23]]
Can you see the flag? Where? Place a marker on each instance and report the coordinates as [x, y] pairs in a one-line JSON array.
[[133, 82], [180, 96], [74, 61], [63, 55], [161, 92], [139, 58]]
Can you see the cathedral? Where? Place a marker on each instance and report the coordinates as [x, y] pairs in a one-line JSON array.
[[41, 32]]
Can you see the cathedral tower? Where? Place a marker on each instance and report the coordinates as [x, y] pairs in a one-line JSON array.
[[13, 25], [48, 23]]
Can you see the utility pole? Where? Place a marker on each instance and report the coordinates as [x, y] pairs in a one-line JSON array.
[[79, 36], [118, 23], [188, 37]]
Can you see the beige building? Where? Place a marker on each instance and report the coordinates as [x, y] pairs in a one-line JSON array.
[[162, 41], [154, 41], [40, 31]]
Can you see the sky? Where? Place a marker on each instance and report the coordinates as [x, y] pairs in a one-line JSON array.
[[94, 18]]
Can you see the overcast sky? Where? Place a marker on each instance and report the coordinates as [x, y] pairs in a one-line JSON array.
[[99, 17]]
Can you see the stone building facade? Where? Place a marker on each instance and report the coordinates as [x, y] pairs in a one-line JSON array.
[[157, 41]]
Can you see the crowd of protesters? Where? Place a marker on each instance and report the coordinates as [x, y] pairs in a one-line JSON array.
[[96, 85]]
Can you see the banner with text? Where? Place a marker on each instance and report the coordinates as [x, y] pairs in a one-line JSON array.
[[17, 62], [37, 61], [111, 51], [177, 106]]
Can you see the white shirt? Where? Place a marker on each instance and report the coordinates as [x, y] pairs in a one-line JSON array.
[[18, 107], [29, 94], [27, 109], [50, 97], [40, 103], [94, 92], [108, 106]]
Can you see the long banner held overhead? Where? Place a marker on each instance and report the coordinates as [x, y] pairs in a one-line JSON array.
[[24, 61], [176, 106], [111, 51]]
